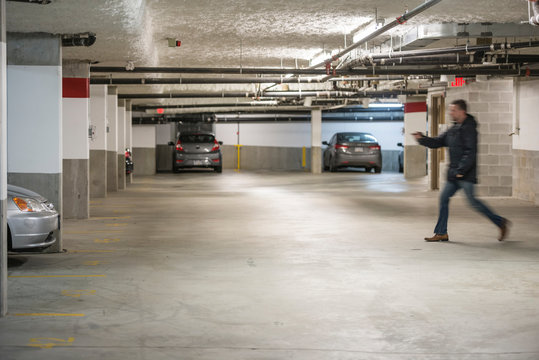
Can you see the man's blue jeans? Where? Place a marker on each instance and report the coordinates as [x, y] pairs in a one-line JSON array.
[[449, 190]]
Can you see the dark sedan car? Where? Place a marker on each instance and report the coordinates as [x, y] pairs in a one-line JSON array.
[[197, 150], [353, 149]]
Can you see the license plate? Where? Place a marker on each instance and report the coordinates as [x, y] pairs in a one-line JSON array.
[[198, 162], [359, 149]]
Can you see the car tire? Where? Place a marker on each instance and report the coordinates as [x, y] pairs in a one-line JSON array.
[[377, 169], [9, 241], [332, 167], [175, 170], [218, 169]]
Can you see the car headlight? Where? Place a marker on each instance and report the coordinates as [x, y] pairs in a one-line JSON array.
[[28, 204]]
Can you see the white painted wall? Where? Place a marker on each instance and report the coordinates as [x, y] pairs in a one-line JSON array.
[[526, 115], [112, 122], [298, 134], [413, 122], [121, 130], [164, 133], [34, 110], [75, 128], [143, 136], [98, 116]]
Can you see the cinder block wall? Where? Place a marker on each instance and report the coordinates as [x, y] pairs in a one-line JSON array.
[[491, 102]]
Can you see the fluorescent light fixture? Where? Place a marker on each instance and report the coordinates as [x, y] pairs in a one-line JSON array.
[[385, 105]]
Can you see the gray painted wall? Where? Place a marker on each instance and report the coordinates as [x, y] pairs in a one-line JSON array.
[[121, 172], [163, 159], [76, 188], [144, 161], [98, 174], [112, 171]]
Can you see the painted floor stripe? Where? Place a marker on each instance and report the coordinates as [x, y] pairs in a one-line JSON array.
[[109, 217], [92, 232], [90, 251], [47, 314], [53, 276]]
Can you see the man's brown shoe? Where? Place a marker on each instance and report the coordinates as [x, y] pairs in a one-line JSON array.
[[504, 229], [437, 237]]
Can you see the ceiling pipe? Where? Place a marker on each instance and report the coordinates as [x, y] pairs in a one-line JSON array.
[[83, 39], [181, 81], [459, 59], [274, 94], [369, 58]]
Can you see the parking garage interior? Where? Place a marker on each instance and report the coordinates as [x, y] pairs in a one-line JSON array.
[[275, 257]]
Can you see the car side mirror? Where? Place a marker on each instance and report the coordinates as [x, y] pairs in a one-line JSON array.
[[400, 144], [325, 143], [170, 143], [220, 143]]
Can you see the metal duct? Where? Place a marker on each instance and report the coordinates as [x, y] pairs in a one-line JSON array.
[[83, 39], [41, 2], [534, 20]]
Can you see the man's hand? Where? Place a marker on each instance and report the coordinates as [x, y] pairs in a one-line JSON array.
[[418, 135], [460, 176]]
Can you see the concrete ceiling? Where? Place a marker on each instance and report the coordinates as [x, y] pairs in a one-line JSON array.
[[231, 32]]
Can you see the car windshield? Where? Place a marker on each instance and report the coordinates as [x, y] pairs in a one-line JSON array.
[[355, 138], [197, 138]]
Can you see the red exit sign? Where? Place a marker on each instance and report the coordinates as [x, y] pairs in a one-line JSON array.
[[459, 82]]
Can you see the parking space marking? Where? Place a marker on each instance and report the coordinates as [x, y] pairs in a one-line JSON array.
[[78, 293], [92, 263], [92, 232], [48, 343], [91, 251], [117, 224], [109, 217], [106, 241], [48, 314], [54, 276]]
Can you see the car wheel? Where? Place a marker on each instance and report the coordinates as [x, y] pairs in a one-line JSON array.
[[401, 168], [332, 167], [175, 170], [218, 169], [9, 241], [377, 169]]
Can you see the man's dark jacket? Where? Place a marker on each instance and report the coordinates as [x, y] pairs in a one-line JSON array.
[[462, 142]]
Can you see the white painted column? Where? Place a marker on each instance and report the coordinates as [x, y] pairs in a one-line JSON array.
[[3, 161], [112, 139], [415, 119], [121, 144], [76, 147], [144, 149], [98, 141], [35, 116], [316, 141]]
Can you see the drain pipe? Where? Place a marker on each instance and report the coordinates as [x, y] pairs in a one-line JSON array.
[[83, 39], [534, 20]]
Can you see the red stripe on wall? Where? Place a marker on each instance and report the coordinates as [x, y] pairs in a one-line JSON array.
[[415, 107], [76, 87]]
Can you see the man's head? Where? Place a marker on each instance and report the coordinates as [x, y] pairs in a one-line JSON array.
[[458, 111]]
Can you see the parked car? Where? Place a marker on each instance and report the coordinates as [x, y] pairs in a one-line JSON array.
[[31, 220], [129, 167], [401, 157], [353, 149], [197, 150]]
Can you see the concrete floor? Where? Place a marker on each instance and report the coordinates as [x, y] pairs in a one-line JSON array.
[[263, 265]]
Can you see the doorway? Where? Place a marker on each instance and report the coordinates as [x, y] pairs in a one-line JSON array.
[[436, 156]]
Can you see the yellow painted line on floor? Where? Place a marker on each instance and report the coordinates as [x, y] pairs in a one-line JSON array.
[[117, 224], [92, 232], [93, 263], [49, 343], [106, 241], [109, 217], [48, 314], [91, 251], [78, 293], [54, 276]]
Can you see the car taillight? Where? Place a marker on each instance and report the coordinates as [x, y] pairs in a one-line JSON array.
[[374, 147], [215, 146], [341, 146], [179, 146]]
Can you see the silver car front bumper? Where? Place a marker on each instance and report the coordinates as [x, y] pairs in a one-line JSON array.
[[33, 231]]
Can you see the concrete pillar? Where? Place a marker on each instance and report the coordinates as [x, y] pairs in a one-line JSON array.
[[112, 139], [164, 134], [316, 141], [35, 116], [415, 119], [76, 148], [128, 134], [144, 149], [121, 144], [98, 141], [3, 161]]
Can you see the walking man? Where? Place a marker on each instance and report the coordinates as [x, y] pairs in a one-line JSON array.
[[461, 139]]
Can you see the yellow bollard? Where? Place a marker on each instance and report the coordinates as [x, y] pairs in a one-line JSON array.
[[303, 158], [239, 157]]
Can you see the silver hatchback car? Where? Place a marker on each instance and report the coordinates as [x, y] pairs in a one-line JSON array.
[[197, 150], [353, 149], [31, 220]]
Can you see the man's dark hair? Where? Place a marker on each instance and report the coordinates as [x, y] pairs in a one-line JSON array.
[[461, 104]]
